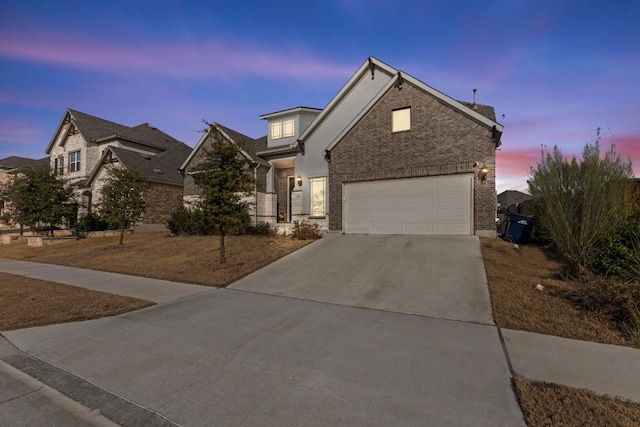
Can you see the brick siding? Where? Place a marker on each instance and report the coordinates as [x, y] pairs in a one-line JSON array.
[[161, 200], [441, 141]]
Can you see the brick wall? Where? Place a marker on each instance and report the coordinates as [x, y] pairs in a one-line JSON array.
[[161, 200], [441, 141]]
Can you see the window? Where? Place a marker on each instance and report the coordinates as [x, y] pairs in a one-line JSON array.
[[282, 129], [74, 161], [58, 167], [401, 119], [318, 192]]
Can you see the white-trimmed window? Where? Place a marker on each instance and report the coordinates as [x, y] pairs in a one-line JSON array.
[[282, 129], [74, 161], [401, 119], [318, 188], [58, 167]]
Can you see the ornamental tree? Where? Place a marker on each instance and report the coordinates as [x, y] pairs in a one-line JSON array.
[[224, 180], [122, 203], [37, 196]]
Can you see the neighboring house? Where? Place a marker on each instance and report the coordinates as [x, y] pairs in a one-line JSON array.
[[388, 155], [83, 144], [515, 201], [12, 166]]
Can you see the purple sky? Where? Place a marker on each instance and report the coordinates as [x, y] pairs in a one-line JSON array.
[[557, 70]]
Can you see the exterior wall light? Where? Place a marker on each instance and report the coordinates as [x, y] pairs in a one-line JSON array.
[[483, 173], [299, 180]]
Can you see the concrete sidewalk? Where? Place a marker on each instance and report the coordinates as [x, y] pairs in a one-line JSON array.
[[154, 290], [271, 355], [603, 368]]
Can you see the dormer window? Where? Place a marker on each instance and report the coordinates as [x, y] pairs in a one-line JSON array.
[[283, 129]]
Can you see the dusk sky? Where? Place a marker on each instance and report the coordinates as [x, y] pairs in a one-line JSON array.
[[557, 70]]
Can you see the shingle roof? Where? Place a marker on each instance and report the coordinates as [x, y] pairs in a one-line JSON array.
[[486, 110], [15, 162], [96, 129], [161, 168], [148, 135], [247, 143]]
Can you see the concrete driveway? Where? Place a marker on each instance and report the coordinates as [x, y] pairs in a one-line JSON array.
[[436, 276], [232, 357], [229, 357]]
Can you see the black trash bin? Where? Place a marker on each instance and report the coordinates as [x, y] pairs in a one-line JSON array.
[[519, 228]]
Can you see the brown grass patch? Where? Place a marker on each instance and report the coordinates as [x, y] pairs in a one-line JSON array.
[[513, 275], [26, 302], [556, 405], [181, 259]]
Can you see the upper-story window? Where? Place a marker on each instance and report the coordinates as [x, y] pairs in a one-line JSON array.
[[74, 161], [59, 166], [401, 119], [282, 129]]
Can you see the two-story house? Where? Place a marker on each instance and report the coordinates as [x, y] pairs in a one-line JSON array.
[[84, 145], [388, 155]]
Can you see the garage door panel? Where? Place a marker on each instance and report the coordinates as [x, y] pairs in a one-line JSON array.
[[388, 214], [418, 214], [418, 229], [421, 200], [428, 205], [387, 202]]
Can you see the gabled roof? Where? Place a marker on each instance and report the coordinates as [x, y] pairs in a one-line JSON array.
[[95, 129], [249, 148], [162, 168], [482, 114], [145, 134], [17, 163], [291, 111]]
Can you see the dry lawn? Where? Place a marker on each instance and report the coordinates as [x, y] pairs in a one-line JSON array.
[[555, 405], [160, 256], [513, 274], [26, 302]]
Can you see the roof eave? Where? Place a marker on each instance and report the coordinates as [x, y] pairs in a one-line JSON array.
[[364, 68]]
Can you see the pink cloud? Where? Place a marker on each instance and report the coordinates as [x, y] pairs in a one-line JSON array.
[[207, 59]]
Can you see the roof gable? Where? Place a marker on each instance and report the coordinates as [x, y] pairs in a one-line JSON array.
[[482, 114], [248, 150], [95, 129], [161, 168]]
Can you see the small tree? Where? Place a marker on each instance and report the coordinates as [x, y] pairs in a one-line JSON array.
[[578, 201], [36, 196], [224, 180], [122, 203]]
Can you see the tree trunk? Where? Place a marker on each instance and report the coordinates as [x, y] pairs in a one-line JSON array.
[[223, 257], [121, 235]]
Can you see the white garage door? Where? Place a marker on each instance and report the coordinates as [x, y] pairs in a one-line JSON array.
[[441, 205]]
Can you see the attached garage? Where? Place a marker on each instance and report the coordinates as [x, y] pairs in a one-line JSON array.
[[438, 205]]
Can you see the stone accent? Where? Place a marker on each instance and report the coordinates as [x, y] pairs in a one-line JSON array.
[[267, 208], [441, 141], [161, 200], [38, 242]]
